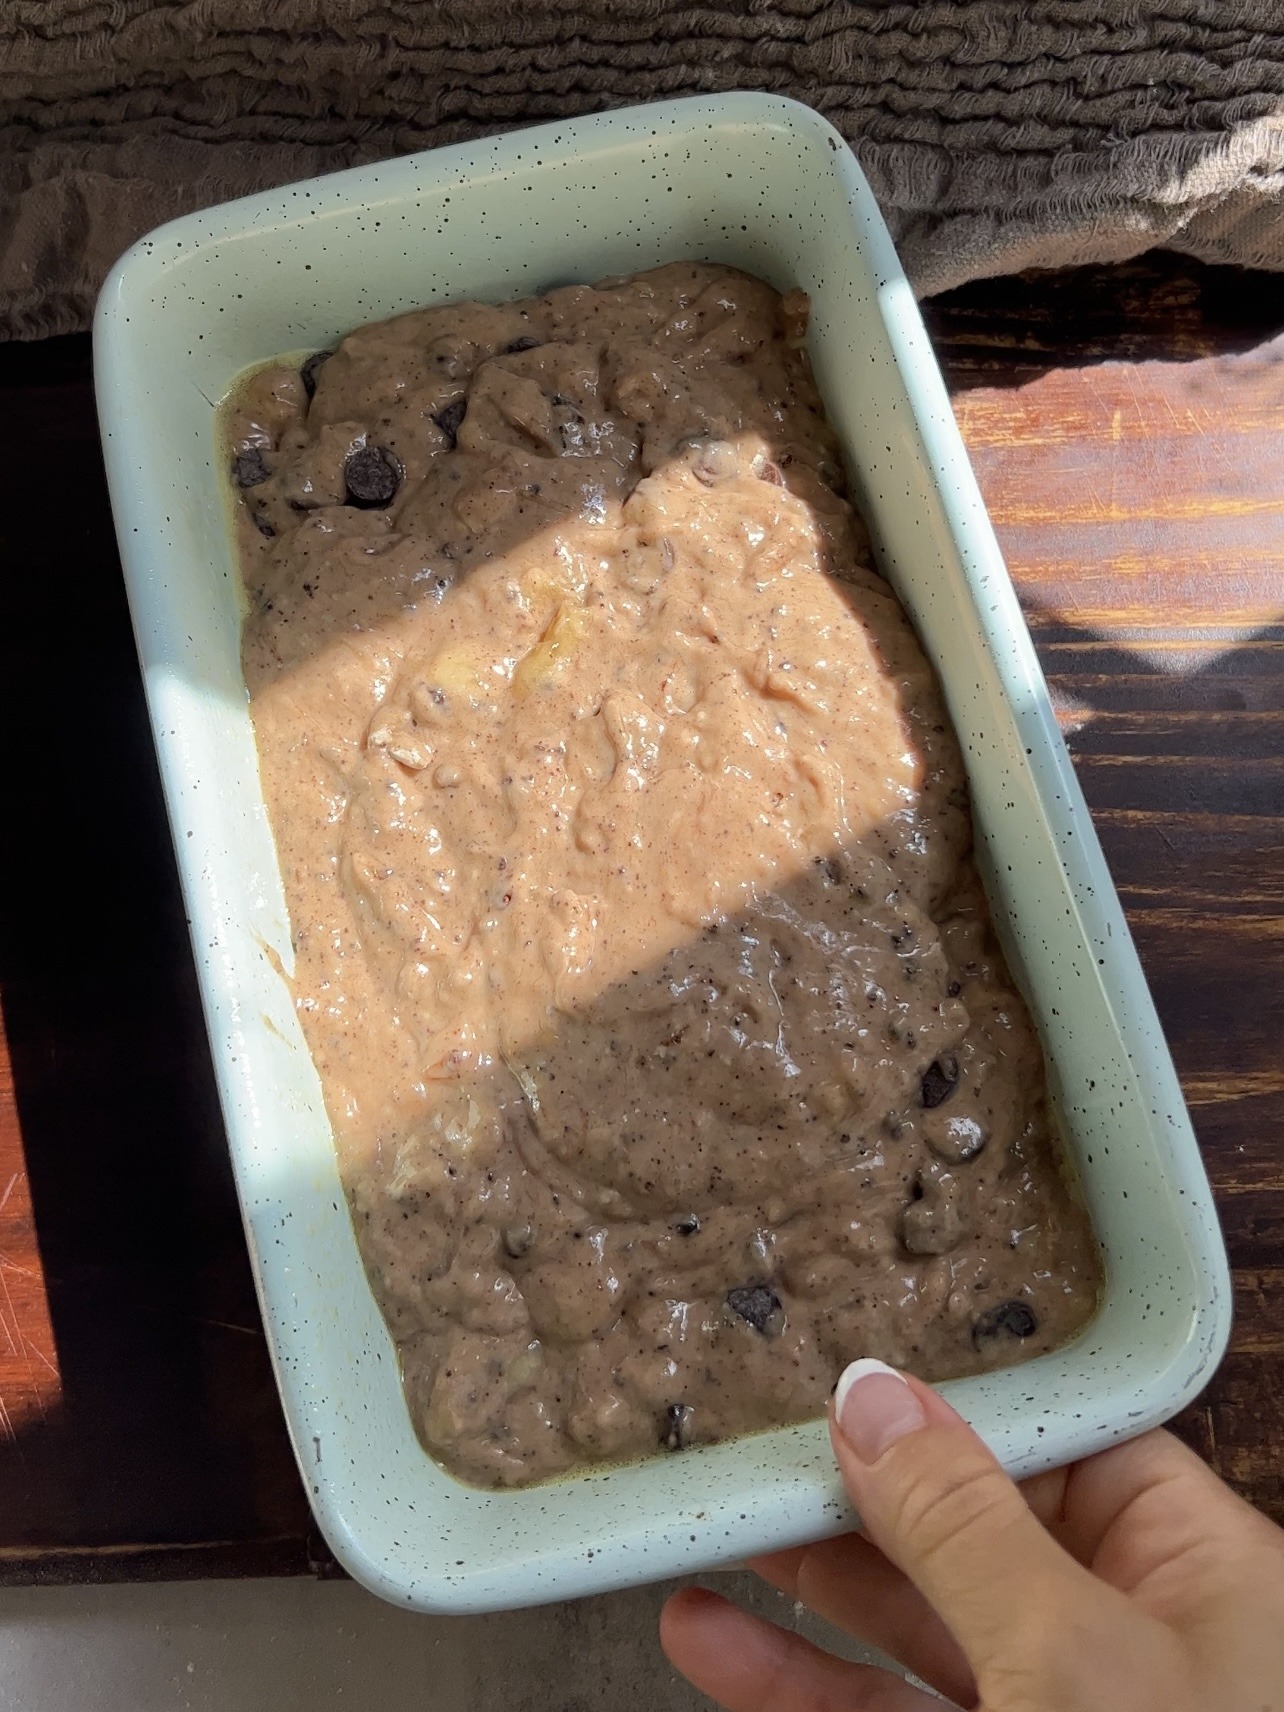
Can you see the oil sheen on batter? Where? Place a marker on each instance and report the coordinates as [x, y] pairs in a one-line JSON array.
[[670, 1057]]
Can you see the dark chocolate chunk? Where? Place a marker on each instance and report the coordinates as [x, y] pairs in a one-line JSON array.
[[525, 343], [308, 373], [1009, 1319], [676, 1431], [262, 525], [449, 417], [249, 468], [770, 472], [688, 1226], [373, 475], [759, 1305], [939, 1080], [954, 989]]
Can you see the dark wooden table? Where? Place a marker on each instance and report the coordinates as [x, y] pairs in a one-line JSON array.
[[1128, 429]]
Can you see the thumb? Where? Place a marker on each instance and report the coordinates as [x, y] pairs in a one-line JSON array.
[[935, 1501]]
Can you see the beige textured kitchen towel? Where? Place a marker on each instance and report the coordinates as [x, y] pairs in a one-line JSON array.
[[997, 134]]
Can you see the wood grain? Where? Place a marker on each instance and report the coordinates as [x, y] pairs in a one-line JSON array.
[[30, 1383], [155, 1444], [1127, 426]]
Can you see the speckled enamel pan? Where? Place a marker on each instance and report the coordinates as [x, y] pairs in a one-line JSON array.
[[765, 185]]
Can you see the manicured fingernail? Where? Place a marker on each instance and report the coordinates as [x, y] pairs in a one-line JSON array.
[[874, 1407]]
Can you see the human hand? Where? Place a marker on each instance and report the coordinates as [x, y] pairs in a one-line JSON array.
[[1134, 1581]]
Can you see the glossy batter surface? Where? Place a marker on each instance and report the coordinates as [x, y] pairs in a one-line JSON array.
[[670, 1057]]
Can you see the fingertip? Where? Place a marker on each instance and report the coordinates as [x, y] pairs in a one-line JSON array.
[[687, 1601], [682, 1613], [923, 1407], [749, 1665], [719, 1648]]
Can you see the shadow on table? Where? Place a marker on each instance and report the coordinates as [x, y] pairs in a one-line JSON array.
[[1010, 331]]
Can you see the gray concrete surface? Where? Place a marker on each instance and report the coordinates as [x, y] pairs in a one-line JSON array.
[[302, 1646]]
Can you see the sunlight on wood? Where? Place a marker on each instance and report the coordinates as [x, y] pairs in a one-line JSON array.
[[30, 1382]]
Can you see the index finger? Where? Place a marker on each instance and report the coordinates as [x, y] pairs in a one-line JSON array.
[[849, 1583]]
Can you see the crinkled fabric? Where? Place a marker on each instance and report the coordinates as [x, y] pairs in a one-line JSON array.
[[998, 135]]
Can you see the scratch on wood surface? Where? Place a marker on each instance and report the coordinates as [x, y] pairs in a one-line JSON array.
[[34, 1350], [9, 1320], [1187, 418], [19, 1343]]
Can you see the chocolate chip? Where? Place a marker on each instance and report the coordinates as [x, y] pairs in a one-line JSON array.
[[1010, 1319], [525, 343], [770, 472], [676, 1431], [688, 1226], [308, 373], [249, 468], [939, 1080], [517, 1240], [373, 475], [449, 417], [954, 989], [262, 525], [759, 1305]]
